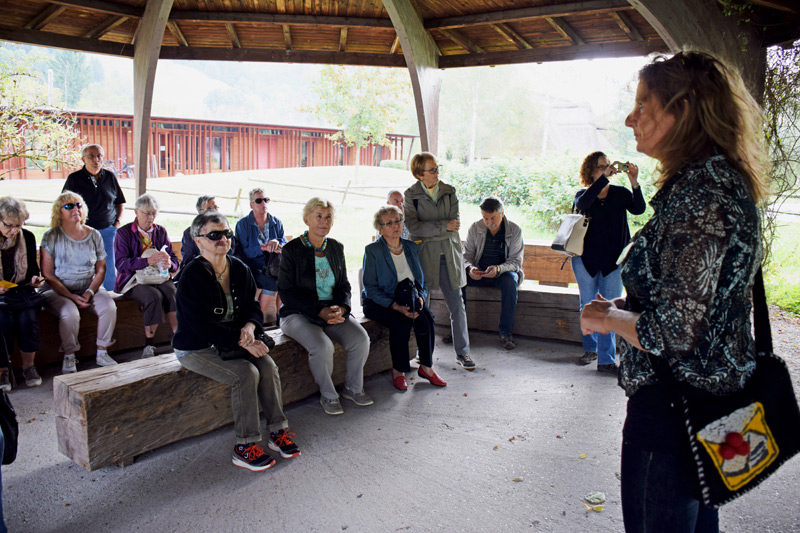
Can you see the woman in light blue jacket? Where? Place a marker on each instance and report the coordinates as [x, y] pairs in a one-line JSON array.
[[388, 263]]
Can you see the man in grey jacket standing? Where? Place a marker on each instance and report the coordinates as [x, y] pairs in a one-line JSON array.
[[493, 255]]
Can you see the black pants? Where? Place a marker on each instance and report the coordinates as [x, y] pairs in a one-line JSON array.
[[400, 331], [22, 326]]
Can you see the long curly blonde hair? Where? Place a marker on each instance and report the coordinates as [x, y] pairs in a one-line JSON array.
[[712, 108], [67, 197]]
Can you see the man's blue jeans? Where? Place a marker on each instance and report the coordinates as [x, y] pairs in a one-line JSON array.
[[507, 283], [108, 235], [609, 287]]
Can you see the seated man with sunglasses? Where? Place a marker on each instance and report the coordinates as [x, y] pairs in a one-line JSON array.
[[260, 234]]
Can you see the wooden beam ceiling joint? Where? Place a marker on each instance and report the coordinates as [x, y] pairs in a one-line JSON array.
[[512, 36], [565, 30], [627, 26], [104, 27], [44, 18], [234, 37], [462, 40], [176, 32]]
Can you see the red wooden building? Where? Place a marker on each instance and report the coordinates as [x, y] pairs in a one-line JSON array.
[[185, 146]]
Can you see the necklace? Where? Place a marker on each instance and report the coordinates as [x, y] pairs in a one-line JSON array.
[[396, 250], [308, 243], [221, 275]]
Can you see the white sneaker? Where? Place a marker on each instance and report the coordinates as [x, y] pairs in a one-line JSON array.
[[149, 351], [69, 366], [104, 360]]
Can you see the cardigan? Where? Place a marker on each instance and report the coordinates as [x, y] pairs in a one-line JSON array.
[[128, 252], [380, 275], [30, 252], [297, 279], [514, 249], [608, 233], [201, 304], [689, 273]]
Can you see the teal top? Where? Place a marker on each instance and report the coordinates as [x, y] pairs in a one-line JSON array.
[[325, 278]]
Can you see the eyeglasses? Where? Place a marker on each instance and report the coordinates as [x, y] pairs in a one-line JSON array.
[[434, 170], [260, 200], [217, 235], [148, 214], [94, 156], [602, 167], [70, 207], [392, 223], [12, 226]]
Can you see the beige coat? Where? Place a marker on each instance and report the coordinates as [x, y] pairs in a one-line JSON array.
[[427, 225]]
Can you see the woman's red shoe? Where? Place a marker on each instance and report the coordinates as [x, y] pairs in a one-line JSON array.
[[400, 382], [433, 378]]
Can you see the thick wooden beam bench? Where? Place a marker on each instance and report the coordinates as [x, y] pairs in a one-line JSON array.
[[110, 415], [546, 307]]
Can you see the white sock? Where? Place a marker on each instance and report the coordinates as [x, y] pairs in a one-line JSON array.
[[101, 352]]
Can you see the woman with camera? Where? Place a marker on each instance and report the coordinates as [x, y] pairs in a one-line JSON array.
[[19, 304], [394, 292], [596, 271], [220, 336]]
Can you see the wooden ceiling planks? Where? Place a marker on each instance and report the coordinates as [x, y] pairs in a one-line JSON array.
[[458, 27]]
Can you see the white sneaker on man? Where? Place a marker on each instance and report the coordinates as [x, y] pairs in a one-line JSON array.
[[103, 359], [69, 366], [149, 351]]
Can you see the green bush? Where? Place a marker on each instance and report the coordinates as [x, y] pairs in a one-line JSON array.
[[393, 163]]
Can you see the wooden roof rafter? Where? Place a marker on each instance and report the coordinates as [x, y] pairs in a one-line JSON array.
[[106, 26], [176, 32], [565, 30], [44, 18]]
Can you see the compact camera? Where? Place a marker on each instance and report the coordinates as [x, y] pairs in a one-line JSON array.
[[620, 166]]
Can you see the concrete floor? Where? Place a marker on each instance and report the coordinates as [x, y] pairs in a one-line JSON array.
[[498, 449]]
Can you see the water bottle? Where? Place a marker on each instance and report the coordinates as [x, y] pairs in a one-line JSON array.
[[164, 270]]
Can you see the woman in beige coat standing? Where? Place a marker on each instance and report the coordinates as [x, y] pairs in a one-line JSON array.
[[431, 215]]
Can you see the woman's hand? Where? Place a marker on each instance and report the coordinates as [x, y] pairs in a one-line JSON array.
[[633, 174], [159, 258], [404, 310], [594, 315], [332, 315], [453, 225], [80, 300], [247, 334], [257, 348], [37, 281], [272, 246]]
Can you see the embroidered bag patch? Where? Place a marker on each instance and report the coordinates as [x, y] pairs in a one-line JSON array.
[[740, 444]]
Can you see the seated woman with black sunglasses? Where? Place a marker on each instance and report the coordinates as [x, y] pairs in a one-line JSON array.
[[74, 264], [218, 312]]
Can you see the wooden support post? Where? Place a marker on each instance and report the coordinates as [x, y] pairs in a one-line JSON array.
[[145, 61], [420, 52]]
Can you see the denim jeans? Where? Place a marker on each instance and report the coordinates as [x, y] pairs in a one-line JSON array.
[[658, 494], [609, 287], [507, 283], [108, 235]]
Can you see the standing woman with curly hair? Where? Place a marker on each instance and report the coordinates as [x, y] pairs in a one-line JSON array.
[[597, 271], [688, 277]]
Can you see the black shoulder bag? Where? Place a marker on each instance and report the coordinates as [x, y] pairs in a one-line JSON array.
[[738, 440], [10, 428]]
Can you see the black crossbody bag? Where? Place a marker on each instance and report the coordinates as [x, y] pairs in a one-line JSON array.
[[738, 440]]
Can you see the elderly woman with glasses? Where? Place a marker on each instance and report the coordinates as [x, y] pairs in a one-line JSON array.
[[391, 262], [432, 218], [19, 271], [74, 265], [218, 312], [137, 246], [316, 307]]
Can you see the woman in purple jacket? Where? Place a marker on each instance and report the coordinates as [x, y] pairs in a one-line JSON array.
[[131, 253]]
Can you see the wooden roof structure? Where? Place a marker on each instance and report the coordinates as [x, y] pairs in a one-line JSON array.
[[421, 35]]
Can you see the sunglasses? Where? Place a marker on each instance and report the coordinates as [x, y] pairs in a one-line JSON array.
[[217, 235], [261, 200], [70, 207]]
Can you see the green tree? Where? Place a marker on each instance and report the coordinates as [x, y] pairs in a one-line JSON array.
[[364, 102], [71, 74], [45, 136]]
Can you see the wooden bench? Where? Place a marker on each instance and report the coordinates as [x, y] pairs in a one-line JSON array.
[[110, 415], [548, 309], [129, 331]]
